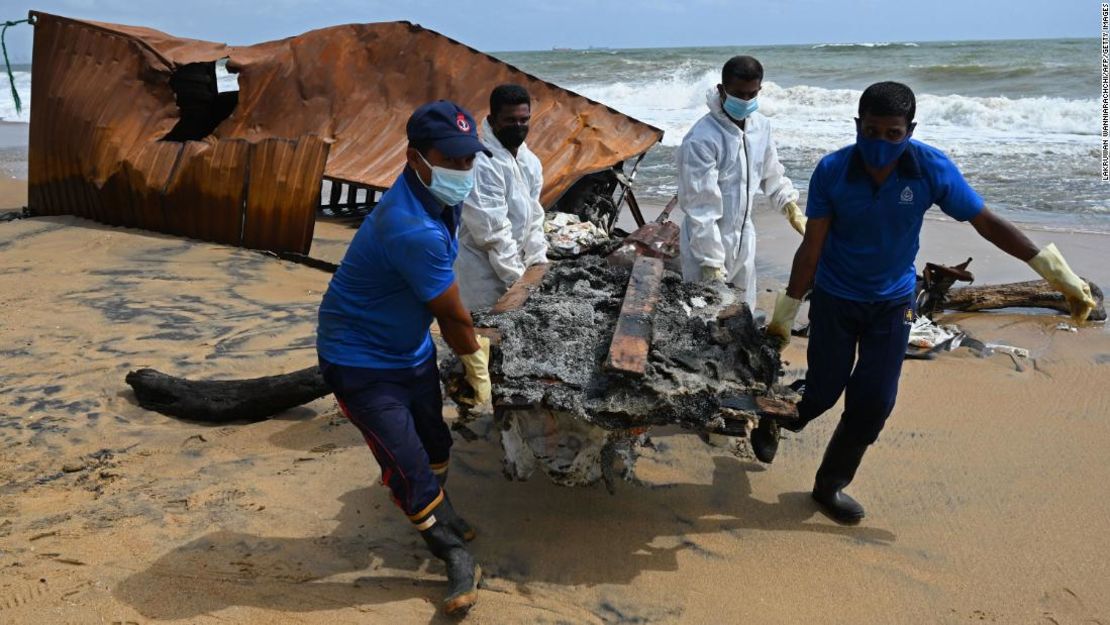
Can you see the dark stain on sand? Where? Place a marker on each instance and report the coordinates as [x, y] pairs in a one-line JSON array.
[[7, 241]]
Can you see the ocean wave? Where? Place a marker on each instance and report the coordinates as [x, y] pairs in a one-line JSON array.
[[809, 117], [7, 104], [822, 119], [877, 44], [973, 71]]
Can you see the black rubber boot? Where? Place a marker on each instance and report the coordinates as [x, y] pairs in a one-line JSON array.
[[765, 440], [463, 573], [842, 458], [452, 518]]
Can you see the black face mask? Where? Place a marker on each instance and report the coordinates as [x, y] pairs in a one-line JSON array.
[[511, 136]]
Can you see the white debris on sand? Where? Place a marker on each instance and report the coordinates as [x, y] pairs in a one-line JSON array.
[[927, 334], [568, 236]]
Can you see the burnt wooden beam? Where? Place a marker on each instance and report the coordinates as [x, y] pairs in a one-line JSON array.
[[628, 352], [762, 406], [658, 239], [777, 409], [666, 214], [521, 290], [634, 206]]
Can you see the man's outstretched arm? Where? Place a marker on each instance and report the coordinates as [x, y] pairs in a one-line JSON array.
[[1004, 235], [1047, 262]]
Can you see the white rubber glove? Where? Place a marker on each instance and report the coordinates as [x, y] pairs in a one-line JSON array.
[[795, 216], [477, 371], [712, 274], [1052, 267], [782, 320]]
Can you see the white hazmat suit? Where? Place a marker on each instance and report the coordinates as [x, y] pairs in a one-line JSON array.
[[501, 233], [721, 167]]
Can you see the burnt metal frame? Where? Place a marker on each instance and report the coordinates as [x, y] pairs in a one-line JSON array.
[[625, 184], [336, 206]]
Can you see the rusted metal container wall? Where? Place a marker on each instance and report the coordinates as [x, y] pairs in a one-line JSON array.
[[357, 85], [96, 148], [90, 153], [329, 102], [278, 190]]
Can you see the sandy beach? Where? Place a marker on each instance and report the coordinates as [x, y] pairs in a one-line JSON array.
[[986, 494]]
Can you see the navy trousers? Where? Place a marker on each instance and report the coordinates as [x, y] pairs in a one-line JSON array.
[[400, 414], [855, 348]]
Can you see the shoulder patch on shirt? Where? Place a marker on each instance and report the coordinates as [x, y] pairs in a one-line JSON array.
[[907, 196]]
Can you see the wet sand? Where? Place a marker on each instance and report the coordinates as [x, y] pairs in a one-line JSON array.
[[13, 194], [986, 494]]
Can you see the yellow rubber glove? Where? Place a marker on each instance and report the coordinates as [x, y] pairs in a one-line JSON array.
[[795, 216], [712, 274], [1052, 267], [477, 371], [782, 320]]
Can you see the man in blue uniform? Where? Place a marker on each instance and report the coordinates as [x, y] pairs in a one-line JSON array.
[[865, 209], [376, 351]]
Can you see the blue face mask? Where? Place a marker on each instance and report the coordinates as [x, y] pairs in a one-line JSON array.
[[878, 153], [449, 186], [739, 109]]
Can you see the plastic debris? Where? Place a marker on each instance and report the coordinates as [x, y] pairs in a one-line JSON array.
[[927, 334], [1018, 352], [568, 236]]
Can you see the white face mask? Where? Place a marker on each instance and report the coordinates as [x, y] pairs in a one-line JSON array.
[[449, 186]]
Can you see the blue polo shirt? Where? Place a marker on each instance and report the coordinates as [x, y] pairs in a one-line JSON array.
[[374, 313], [874, 231]]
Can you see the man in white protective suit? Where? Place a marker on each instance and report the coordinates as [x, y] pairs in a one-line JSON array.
[[726, 158], [501, 233]]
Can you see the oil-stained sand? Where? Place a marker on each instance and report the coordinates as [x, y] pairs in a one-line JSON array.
[[986, 494]]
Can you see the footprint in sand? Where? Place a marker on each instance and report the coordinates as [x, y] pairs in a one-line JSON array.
[[28, 593]]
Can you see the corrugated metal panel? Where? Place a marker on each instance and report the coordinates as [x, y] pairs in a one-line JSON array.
[[285, 176], [103, 103], [357, 84], [132, 195], [204, 200], [93, 118]]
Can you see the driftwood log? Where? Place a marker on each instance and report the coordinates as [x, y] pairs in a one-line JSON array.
[[216, 401], [1032, 294], [222, 401]]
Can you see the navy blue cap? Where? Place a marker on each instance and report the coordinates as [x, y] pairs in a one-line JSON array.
[[449, 128]]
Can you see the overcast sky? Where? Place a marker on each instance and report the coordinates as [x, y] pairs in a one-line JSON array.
[[499, 26]]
